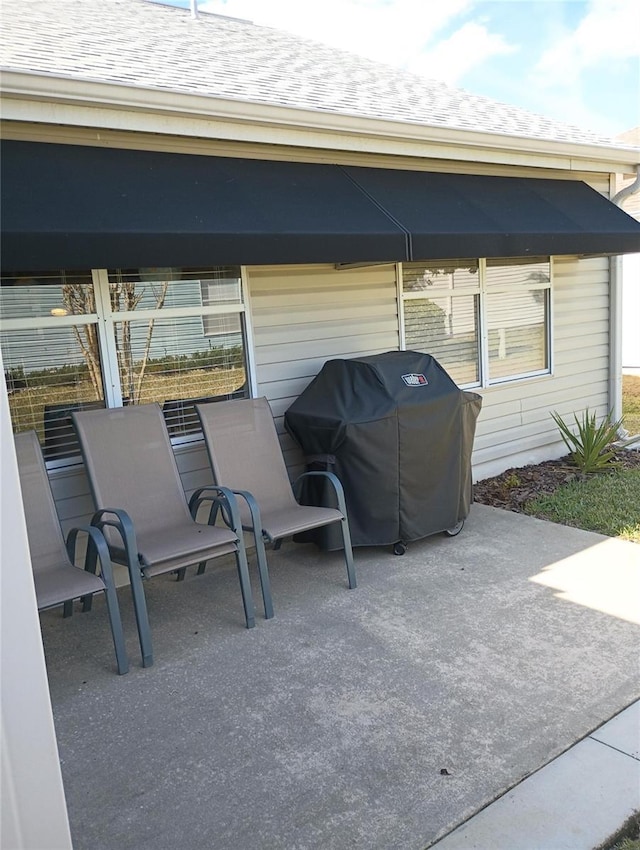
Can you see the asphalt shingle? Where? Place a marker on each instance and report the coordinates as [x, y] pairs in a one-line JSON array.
[[140, 43]]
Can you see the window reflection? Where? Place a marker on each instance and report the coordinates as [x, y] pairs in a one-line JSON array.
[[172, 336], [484, 322]]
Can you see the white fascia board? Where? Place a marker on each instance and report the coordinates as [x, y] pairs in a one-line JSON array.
[[44, 98]]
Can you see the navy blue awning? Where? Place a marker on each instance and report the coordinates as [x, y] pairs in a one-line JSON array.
[[71, 206]]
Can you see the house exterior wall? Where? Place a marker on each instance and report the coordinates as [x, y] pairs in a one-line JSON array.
[[305, 315], [355, 313], [515, 426]]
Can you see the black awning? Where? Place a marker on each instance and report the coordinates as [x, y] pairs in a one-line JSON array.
[[87, 207], [68, 206], [463, 215]]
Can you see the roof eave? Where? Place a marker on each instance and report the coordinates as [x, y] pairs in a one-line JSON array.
[[53, 99]]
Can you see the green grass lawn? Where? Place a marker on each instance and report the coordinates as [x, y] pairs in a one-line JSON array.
[[606, 502], [631, 403]]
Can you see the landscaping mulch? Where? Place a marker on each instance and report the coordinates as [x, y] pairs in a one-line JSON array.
[[516, 486]]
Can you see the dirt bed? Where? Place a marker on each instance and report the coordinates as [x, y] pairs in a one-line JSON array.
[[516, 486]]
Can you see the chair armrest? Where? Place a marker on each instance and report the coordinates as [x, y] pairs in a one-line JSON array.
[[203, 495], [333, 480], [254, 510], [96, 548], [221, 498], [121, 521]]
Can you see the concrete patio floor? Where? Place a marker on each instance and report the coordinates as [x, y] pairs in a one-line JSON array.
[[377, 718]]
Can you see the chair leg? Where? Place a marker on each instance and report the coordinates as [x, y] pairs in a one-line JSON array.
[[344, 523], [338, 491], [263, 572], [127, 533], [117, 633], [142, 617], [261, 553], [229, 506], [97, 548], [90, 565], [245, 585], [348, 553]]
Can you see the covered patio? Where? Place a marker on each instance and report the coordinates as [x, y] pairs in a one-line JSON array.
[[380, 717]]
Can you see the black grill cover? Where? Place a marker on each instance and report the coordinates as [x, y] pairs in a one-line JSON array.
[[398, 432]]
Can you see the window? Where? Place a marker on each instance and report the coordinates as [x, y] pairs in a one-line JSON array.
[[485, 321], [72, 340], [441, 315], [222, 288], [517, 308]]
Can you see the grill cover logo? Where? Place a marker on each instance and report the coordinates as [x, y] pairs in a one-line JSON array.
[[415, 380]]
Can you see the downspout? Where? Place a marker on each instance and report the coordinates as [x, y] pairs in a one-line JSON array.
[[615, 316], [631, 189]]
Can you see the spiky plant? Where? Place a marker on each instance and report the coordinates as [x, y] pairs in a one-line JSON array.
[[590, 446]]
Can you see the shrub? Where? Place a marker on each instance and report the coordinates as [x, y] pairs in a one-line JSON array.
[[590, 446]]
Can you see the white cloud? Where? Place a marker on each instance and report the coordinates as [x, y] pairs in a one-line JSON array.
[[467, 48], [606, 38], [389, 31], [609, 32]]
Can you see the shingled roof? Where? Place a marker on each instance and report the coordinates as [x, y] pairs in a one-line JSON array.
[[142, 44]]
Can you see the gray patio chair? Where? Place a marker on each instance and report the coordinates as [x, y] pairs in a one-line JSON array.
[[245, 453], [142, 509], [57, 580]]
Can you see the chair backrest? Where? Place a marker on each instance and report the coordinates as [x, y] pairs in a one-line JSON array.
[[244, 450], [46, 541], [130, 464]]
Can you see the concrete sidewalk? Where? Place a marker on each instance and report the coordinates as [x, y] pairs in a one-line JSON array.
[[576, 802], [382, 717]]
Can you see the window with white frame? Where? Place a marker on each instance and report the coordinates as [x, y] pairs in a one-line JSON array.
[[485, 321], [94, 338]]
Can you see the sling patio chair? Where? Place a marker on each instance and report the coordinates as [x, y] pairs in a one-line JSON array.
[[56, 577], [245, 453], [142, 509]]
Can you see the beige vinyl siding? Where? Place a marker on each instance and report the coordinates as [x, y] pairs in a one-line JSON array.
[[305, 315], [515, 426], [600, 182]]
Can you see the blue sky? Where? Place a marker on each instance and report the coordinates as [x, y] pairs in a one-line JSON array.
[[573, 60]]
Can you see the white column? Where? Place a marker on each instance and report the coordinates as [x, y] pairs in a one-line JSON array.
[[34, 813]]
